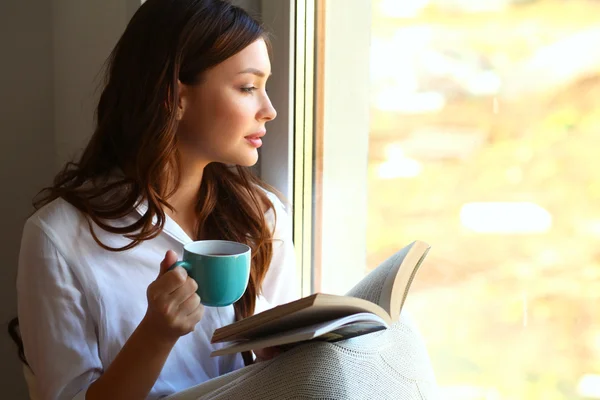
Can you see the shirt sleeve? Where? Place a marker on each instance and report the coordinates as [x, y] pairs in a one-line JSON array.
[[59, 334], [280, 285]]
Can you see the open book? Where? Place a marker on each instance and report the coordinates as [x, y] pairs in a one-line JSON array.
[[372, 305]]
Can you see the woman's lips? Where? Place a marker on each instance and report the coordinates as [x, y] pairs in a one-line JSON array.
[[255, 139], [255, 142]]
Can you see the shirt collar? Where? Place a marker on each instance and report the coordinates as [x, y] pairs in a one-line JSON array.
[[171, 228]]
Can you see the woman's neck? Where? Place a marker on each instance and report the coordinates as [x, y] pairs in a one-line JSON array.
[[185, 199]]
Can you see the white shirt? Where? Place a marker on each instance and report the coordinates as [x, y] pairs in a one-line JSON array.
[[78, 303]]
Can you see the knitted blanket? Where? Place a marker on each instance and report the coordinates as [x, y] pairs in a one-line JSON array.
[[389, 364]]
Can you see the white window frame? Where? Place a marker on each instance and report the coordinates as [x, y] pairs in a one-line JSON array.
[[286, 157]]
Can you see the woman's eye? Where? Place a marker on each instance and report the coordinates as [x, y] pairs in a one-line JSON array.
[[249, 89]]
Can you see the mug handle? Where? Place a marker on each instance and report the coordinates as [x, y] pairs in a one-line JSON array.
[[184, 264]]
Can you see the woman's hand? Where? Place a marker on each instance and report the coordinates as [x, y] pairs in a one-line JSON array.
[[267, 353], [174, 308]]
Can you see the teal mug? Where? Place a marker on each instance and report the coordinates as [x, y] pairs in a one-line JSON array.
[[220, 268]]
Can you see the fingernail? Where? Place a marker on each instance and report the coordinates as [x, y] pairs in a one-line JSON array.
[[181, 271]]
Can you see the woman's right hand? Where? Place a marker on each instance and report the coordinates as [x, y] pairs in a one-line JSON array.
[[174, 308]]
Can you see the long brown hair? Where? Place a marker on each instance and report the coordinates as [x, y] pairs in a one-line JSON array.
[[166, 41]]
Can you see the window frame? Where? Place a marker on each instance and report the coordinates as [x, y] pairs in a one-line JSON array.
[[286, 157]]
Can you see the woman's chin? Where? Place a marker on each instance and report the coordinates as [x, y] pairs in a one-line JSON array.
[[248, 160]]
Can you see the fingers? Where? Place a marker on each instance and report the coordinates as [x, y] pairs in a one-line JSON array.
[[170, 259], [168, 283], [184, 292], [174, 308], [267, 353], [190, 305], [196, 316]]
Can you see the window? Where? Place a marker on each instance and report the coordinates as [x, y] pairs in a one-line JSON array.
[[472, 125]]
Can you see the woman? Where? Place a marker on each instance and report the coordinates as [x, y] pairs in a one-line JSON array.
[[179, 120]]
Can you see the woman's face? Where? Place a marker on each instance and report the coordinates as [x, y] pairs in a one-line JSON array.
[[222, 118]]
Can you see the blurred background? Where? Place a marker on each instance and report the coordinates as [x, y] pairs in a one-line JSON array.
[[484, 141]]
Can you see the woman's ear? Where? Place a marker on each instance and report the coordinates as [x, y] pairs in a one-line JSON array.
[[182, 100]]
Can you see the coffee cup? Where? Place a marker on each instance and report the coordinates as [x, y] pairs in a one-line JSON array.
[[220, 268]]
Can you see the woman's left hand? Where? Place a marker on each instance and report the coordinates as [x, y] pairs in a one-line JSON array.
[[267, 353]]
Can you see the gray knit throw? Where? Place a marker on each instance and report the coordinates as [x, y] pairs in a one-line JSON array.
[[389, 364]]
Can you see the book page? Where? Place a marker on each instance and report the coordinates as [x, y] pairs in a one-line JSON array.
[[331, 331], [388, 284], [315, 309], [371, 286]]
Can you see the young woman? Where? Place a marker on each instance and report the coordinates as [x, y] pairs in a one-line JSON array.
[[179, 120]]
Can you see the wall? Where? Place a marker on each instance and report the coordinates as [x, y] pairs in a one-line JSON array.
[[26, 148], [84, 34]]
